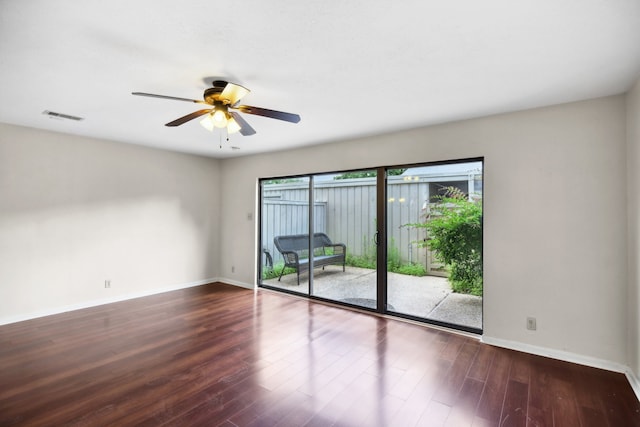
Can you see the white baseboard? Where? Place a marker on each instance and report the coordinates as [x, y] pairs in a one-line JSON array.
[[557, 354], [102, 301], [236, 283], [568, 357], [634, 381]]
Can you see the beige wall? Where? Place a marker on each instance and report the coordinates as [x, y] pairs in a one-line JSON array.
[[633, 190], [555, 216], [77, 211]]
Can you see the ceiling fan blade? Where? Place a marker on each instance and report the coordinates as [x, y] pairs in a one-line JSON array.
[[234, 93], [280, 115], [245, 128], [175, 98], [185, 119]]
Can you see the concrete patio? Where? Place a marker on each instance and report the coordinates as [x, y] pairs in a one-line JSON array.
[[428, 297]]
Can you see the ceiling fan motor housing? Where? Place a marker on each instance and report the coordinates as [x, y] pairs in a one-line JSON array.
[[212, 94]]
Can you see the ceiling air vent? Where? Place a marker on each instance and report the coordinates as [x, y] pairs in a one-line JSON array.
[[54, 115]]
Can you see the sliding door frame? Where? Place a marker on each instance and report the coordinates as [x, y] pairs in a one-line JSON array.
[[380, 240]]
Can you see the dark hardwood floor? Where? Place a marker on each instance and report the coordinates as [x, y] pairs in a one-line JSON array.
[[222, 355]]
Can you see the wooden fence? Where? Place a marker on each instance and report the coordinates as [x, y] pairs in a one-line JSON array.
[[346, 211], [286, 217]]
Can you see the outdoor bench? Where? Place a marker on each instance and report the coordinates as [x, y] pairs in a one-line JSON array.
[[295, 247]]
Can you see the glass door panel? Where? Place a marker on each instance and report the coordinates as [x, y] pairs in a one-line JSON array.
[[423, 205], [345, 227], [284, 229]]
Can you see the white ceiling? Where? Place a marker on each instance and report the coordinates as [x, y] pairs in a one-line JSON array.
[[349, 68]]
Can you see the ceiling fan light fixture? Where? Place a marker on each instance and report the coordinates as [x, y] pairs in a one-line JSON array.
[[207, 123], [219, 118], [211, 121]]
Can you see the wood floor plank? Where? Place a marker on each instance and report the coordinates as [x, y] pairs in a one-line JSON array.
[[565, 408], [435, 415], [480, 367], [222, 355], [514, 408], [450, 388], [615, 401], [495, 387], [520, 369], [466, 404], [540, 405]]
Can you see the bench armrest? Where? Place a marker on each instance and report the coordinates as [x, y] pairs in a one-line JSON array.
[[290, 257]]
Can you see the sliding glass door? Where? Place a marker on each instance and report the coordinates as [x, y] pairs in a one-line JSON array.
[[434, 243], [349, 223], [379, 240], [285, 211]]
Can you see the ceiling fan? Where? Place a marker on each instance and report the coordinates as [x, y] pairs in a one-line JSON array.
[[221, 99]]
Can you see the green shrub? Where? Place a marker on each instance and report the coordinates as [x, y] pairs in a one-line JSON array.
[[393, 256], [411, 270], [360, 261], [272, 273], [394, 263], [454, 230], [367, 259]]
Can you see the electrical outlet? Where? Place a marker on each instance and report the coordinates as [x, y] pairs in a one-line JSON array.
[[233, 269], [531, 323], [107, 283]]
